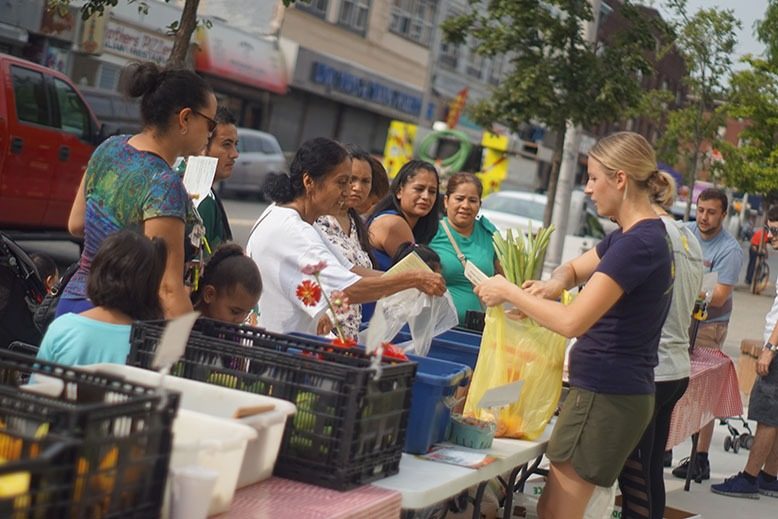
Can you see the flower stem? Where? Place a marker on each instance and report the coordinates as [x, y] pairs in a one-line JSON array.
[[338, 329]]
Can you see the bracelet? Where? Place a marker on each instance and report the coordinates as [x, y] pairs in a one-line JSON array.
[[770, 346]]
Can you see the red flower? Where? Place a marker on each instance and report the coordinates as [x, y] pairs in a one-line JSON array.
[[393, 352], [309, 293], [344, 343]]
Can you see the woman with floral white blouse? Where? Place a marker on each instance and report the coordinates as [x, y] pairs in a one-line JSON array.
[[347, 232]]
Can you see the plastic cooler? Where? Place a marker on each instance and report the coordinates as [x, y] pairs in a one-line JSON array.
[[453, 345], [118, 438], [213, 443], [222, 402], [349, 428], [433, 391]]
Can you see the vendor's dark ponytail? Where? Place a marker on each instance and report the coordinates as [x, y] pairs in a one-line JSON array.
[[317, 157], [163, 91]]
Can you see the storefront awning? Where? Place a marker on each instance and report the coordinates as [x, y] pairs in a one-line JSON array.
[[12, 33], [240, 57]]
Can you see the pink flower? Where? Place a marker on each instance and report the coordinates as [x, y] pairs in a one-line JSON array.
[[340, 303], [314, 269]]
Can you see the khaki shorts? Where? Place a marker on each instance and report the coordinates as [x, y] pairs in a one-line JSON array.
[[711, 335], [596, 432]]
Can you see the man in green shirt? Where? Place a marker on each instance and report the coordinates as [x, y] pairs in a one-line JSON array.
[[222, 145]]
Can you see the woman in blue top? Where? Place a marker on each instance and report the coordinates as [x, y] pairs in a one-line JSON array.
[[409, 212], [617, 318], [129, 182]]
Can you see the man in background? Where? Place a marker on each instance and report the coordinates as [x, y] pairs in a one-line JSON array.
[[721, 254]]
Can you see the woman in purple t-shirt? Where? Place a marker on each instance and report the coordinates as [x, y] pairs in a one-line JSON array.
[[617, 319]]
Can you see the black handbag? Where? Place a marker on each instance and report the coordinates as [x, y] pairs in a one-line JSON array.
[[44, 313]]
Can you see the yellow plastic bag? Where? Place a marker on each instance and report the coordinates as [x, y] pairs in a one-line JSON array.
[[513, 350]]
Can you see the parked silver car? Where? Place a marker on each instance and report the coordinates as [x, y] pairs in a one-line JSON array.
[[260, 154]]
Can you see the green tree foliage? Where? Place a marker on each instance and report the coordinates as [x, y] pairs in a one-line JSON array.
[[181, 30], [753, 166], [556, 75], [706, 40]]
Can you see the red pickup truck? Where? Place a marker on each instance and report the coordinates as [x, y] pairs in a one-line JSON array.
[[47, 134]]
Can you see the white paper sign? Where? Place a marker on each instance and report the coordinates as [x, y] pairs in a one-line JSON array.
[[501, 396], [474, 274], [198, 177], [173, 342]]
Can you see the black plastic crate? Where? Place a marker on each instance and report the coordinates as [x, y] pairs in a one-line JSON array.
[[123, 435], [349, 428], [36, 475]]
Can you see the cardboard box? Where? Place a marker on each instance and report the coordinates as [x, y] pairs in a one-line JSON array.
[[670, 512]]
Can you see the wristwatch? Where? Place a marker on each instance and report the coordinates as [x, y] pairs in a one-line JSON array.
[[770, 346]]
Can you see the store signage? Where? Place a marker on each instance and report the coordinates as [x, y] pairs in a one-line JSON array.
[[363, 88], [237, 56], [138, 44]]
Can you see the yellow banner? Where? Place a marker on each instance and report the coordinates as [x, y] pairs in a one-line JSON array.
[[495, 161], [399, 146]]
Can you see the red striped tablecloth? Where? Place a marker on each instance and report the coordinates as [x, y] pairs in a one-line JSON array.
[[278, 498], [713, 392]]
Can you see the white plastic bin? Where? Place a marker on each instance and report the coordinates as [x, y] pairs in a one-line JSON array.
[[223, 402], [214, 443]]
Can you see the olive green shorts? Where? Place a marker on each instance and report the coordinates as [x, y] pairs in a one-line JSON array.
[[596, 432]]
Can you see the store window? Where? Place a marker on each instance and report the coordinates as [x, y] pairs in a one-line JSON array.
[[353, 15], [108, 78], [413, 19], [496, 71], [314, 7], [475, 62], [73, 115], [32, 104], [449, 55]]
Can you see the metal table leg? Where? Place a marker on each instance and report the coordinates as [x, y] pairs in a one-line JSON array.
[[509, 485], [693, 465], [479, 496]]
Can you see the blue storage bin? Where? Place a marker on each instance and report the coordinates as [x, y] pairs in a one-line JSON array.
[[453, 346], [436, 381]]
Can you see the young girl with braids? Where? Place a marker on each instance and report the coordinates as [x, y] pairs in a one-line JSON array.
[[230, 286]]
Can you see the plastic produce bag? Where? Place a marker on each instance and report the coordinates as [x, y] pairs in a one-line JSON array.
[[427, 316], [513, 350]]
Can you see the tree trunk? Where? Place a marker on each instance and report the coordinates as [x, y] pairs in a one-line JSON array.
[[556, 161], [186, 27]]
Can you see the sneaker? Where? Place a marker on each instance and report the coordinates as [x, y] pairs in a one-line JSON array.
[[737, 486], [702, 465], [768, 489]]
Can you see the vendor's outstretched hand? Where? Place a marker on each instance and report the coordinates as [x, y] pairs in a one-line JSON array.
[[431, 283], [494, 291]]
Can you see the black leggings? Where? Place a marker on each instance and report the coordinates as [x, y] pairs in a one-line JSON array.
[[641, 480]]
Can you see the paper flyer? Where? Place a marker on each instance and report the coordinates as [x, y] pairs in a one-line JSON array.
[[462, 458], [198, 177]]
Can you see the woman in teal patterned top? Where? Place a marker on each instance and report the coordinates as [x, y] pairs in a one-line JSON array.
[[130, 184], [472, 235]]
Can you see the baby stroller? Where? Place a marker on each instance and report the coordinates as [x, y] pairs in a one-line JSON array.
[[21, 291], [746, 375], [737, 440]]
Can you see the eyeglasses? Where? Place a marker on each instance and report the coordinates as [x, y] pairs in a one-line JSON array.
[[211, 122], [771, 230]]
